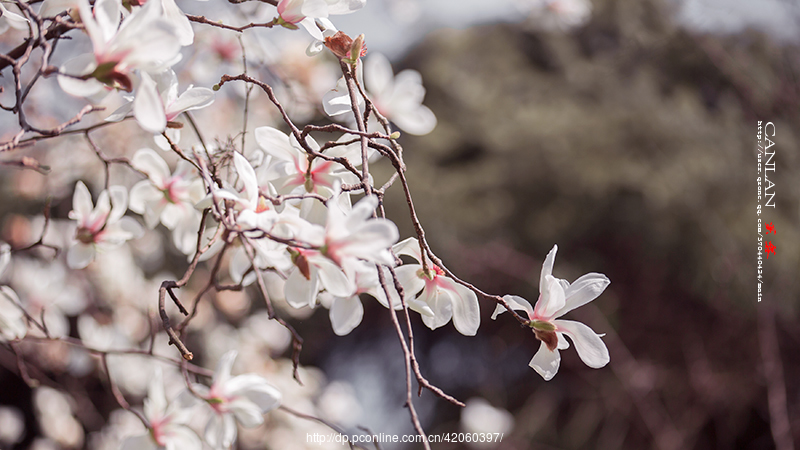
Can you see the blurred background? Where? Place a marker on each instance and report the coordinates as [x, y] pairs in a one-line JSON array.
[[628, 138]]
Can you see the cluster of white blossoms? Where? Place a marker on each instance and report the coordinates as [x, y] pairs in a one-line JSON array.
[[297, 214]]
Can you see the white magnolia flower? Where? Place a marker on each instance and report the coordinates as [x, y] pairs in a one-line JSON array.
[[398, 98], [10, 19], [556, 298], [353, 235], [168, 199], [243, 399], [157, 102], [144, 40], [440, 298], [100, 227], [346, 312], [168, 422], [303, 12]]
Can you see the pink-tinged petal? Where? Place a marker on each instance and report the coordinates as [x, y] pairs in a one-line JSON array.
[[418, 121], [546, 362], [516, 303], [81, 203], [547, 267], [311, 26], [583, 290], [148, 109], [333, 279], [346, 314], [142, 442], [299, 291], [551, 300], [152, 164], [224, 366], [379, 76], [193, 98], [80, 255], [466, 310], [590, 347], [407, 275], [119, 202], [248, 177], [408, 247]]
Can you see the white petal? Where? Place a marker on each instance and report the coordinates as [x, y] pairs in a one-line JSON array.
[[256, 389], [119, 202], [224, 366], [551, 300], [440, 303], [148, 109], [333, 279], [407, 275], [12, 319], [417, 121], [193, 98], [5, 256], [583, 290], [337, 100], [516, 303], [547, 267], [152, 164], [142, 442], [299, 291], [221, 431], [246, 412], [275, 143], [546, 362], [311, 26], [346, 314], [590, 347], [80, 255], [248, 177], [183, 438], [155, 405], [81, 203], [79, 66], [466, 310], [379, 76], [178, 19]]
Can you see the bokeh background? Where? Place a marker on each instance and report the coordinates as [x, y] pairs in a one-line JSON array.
[[630, 141]]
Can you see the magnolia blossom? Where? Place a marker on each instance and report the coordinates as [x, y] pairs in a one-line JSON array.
[[346, 312], [157, 103], [168, 422], [292, 13], [399, 98], [12, 319], [556, 298], [100, 227], [243, 399], [144, 40], [440, 298], [168, 199]]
